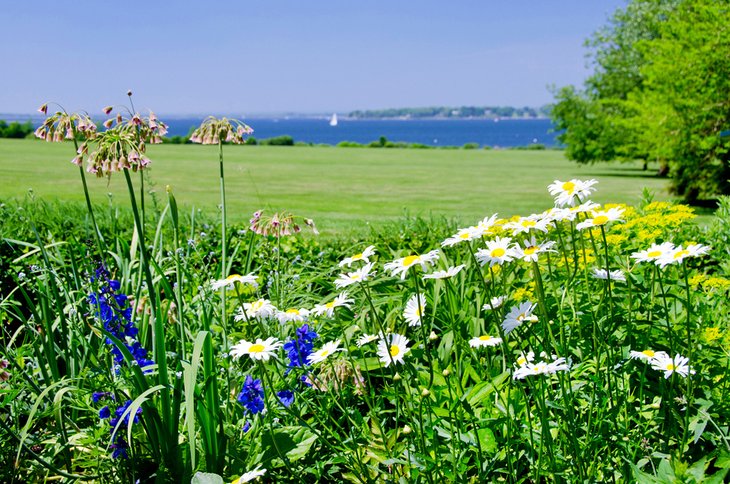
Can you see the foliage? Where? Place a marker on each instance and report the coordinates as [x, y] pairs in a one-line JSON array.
[[15, 129]]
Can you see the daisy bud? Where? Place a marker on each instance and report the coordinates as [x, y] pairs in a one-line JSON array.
[[407, 429], [396, 377], [446, 372], [433, 336], [107, 110], [43, 109], [425, 392]]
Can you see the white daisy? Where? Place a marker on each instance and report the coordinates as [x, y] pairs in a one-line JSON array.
[[647, 355], [567, 193], [463, 235], [415, 307], [532, 249], [616, 275], [231, 280], [584, 207], [392, 349], [524, 359], [656, 251], [498, 251], [601, 217], [251, 475], [517, 315], [350, 278], [365, 339], [526, 224], [540, 368], [494, 303], [257, 309], [322, 353], [260, 350], [401, 266], [484, 340], [557, 214], [293, 314], [677, 255], [485, 226], [362, 256], [450, 272], [328, 309], [678, 364]]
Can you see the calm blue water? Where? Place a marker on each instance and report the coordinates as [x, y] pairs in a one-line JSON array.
[[433, 132]]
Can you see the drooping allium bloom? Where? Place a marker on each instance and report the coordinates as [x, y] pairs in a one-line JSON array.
[[679, 364], [498, 251], [527, 224], [653, 253], [450, 272], [252, 395], [678, 254], [261, 350], [280, 224], [250, 475], [214, 130], [261, 308], [230, 281], [463, 235], [292, 315], [62, 126], [116, 149], [328, 309], [532, 249], [540, 368], [647, 355], [517, 315], [115, 313], [392, 349], [326, 350], [572, 191], [601, 217], [484, 340], [399, 267], [300, 346], [616, 275], [360, 275], [4, 375], [415, 307], [494, 303], [365, 339], [363, 256]]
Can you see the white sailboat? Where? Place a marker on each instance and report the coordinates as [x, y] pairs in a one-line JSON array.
[[333, 120]]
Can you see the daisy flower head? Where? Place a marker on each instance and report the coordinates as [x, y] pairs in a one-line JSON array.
[[251, 475], [616, 275], [400, 266], [557, 214], [532, 249], [392, 349], [498, 251], [526, 224], [362, 256], [261, 350], [647, 355], [540, 368], [365, 339], [463, 235], [450, 272], [524, 359], [483, 341], [584, 208], [487, 225], [567, 193], [326, 350], [415, 307], [230, 281], [678, 364], [494, 303], [328, 309], [653, 253], [293, 314], [517, 315], [601, 217], [261, 308], [362, 274], [678, 254]]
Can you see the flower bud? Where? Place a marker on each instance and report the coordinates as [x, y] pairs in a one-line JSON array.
[[407, 429], [129, 93], [43, 109], [107, 110], [425, 392], [433, 336], [446, 372], [396, 377]]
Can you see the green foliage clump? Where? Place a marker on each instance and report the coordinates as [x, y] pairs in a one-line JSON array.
[[15, 129]]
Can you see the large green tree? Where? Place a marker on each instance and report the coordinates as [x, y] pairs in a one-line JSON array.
[[660, 91]]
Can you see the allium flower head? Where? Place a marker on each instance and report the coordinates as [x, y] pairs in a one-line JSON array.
[[400, 266], [280, 224], [214, 130], [572, 191], [415, 307], [261, 350], [62, 126], [392, 349], [362, 256]]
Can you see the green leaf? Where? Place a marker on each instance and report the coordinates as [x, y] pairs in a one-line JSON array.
[[206, 478]]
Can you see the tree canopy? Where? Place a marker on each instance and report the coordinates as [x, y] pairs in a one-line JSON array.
[[660, 91]]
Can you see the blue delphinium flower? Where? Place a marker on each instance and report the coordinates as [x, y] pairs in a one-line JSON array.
[[286, 397], [252, 395], [104, 413], [298, 348], [119, 445]]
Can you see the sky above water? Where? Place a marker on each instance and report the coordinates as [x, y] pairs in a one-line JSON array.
[[276, 56]]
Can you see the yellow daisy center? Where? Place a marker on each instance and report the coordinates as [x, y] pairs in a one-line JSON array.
[[485, 338], [528, 223], [569, 187], [521, 317], [465, 235], [531, 250], [680, 254], [355, 276], [600, 220], [257, 305], [292, 311], [521, 360], [649, 353], [670, 366], [257, 348], [324, 353], [232, 277], [654, 254], [357, 256], [330, 305], [410, 260], [394, 350], [498, 252]]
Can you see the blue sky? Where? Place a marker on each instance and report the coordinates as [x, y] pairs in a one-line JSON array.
[[248, 57]]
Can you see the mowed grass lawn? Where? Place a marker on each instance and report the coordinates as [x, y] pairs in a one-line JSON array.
[[340, 188]]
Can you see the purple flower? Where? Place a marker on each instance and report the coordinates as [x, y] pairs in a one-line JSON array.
[[286, 397], [104, 413], [252, 395], [298, 348]]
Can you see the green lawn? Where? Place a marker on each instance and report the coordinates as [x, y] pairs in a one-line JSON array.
[[341, 188]]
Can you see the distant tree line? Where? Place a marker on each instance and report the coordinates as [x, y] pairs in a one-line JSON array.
[[15, 129], [489, 112]]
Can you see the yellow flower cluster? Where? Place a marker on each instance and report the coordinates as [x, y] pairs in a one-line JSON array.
[[524, 293], [651, 223], [709, 283]]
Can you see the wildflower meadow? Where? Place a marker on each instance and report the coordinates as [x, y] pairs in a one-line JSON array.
[[585, 343]]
